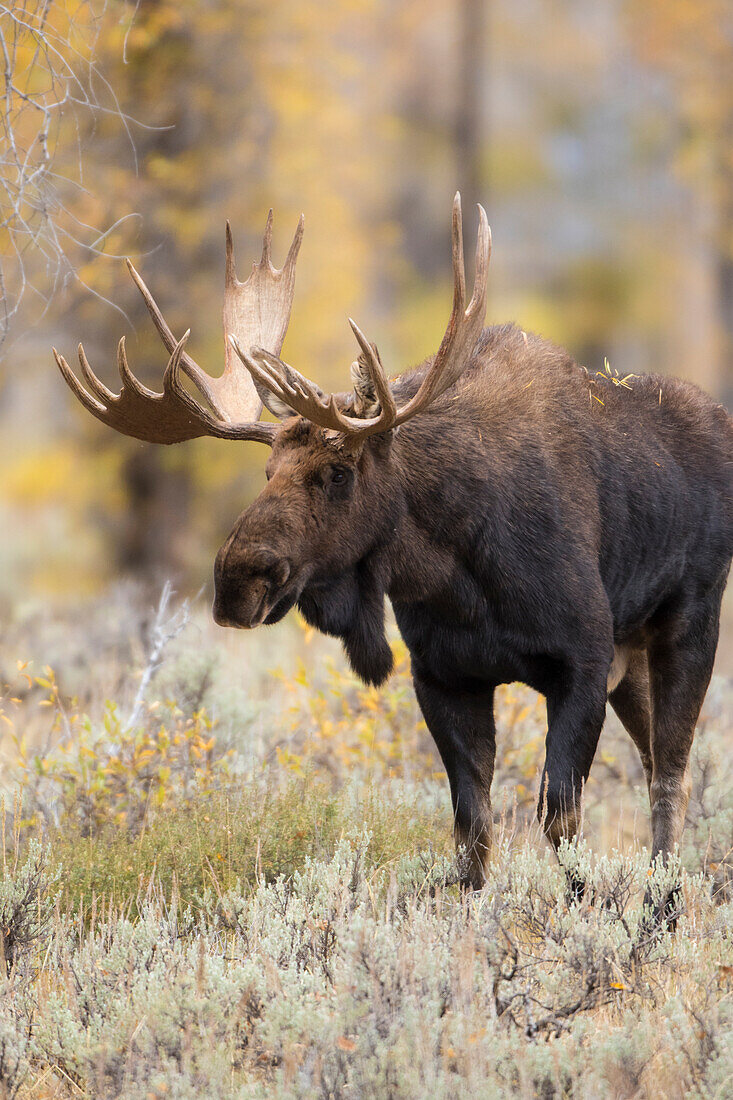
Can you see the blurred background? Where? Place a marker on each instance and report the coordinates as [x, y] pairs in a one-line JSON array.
[[597, 136]]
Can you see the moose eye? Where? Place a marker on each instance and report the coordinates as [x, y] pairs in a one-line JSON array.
[[337, 482]]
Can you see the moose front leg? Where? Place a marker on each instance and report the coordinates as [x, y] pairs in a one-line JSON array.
[[576, 708], [681, 658], [462, 726]]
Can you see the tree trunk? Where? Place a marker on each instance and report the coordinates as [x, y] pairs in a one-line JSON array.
[[158, 499]]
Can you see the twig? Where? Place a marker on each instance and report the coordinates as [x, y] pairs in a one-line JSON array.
[[166, 628]]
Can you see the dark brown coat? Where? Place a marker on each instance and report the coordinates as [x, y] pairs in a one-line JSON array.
[[536, 523]]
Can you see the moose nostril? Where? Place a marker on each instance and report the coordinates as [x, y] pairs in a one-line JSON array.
[[248, 580], [263, 562], [220, 616]]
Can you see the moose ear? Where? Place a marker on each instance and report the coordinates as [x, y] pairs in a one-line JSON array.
[[274, 404], [366, 402], [292, 380]]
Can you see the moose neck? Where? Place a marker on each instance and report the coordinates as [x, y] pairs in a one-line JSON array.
[[413, 558], [350, 606]]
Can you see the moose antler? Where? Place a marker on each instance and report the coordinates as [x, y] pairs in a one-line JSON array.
[[255, 312], [307, 399], [464, 328]]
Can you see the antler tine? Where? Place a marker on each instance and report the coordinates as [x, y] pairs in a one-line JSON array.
[[172, 372], [173, 388], [193, 370], [388, 413], [483, 257], [465, 324], [267, 240], [90, 403], [97, 387], [292, 380], [275, 380], [230, 268], [292, 256], [129, 381], [266, 257], [459, 267], [158, 319]]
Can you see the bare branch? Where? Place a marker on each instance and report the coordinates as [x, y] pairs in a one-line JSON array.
[[52, 83]]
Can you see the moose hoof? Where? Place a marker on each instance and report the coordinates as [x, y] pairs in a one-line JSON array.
[[662, 915], [575, 887]]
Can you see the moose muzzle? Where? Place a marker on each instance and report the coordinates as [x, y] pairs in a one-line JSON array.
[[251, 586]]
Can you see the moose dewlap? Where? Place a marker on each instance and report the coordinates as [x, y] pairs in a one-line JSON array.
[[527, 520]]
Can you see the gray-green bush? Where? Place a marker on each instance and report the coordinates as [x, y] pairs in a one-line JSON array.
[[344, 981]]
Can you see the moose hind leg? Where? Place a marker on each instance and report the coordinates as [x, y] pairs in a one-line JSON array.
[[631, 699], [462, 726], [681, 660]]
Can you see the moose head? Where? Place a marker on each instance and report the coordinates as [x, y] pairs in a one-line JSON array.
[[330, 494]]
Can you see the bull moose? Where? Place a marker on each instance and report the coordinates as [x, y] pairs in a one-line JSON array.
[[529, 521]]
